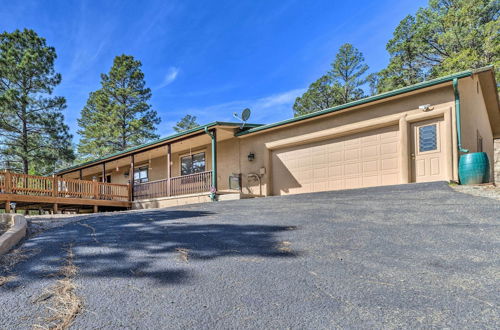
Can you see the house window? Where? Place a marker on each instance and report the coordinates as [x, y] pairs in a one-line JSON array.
[[194, 163], [141, 174], [427, 136]]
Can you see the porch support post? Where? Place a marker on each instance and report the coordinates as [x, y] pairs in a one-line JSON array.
[[213, 135], [169, 168], [80, 174], [214, 159], [131, 176], [103, 172]]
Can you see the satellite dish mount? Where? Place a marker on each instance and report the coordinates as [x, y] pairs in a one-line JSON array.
[[245, 115]]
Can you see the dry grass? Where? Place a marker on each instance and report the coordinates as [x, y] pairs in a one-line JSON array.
[[284, 246], [65, 304], [183, 254], [6, 279], [8, 261], [93, 234]]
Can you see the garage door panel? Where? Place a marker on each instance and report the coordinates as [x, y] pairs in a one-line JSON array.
[[371, 181], [370, 166], [389, 178], [370, 151], [361, 160], [353, 168], [389, 164], [389, 148], [352, 154], [335, 171], [335, 156], [352, 182]]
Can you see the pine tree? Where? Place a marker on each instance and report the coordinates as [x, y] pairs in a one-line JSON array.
[[445, 37], [117, 116], [186, 122], [405, 66], [349, 70], [33, 136], [322, 94], [342, 84]]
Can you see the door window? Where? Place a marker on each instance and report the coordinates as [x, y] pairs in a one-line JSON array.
[[427, 138]]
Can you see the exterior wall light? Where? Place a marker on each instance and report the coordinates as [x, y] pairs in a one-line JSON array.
[[251, 157], [426, 107]]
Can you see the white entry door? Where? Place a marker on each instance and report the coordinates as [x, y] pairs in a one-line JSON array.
[[427, 153]]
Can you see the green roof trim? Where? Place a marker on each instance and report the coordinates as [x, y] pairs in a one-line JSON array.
[[145, 145], [369, 99]]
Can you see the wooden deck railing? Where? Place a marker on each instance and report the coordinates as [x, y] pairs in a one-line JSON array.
[[33, 185], [181, 185]]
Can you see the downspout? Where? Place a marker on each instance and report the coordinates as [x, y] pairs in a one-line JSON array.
[[213, 190], [457, 113]]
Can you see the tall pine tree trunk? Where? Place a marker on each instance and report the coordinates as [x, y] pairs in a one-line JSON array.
[[24, 155]]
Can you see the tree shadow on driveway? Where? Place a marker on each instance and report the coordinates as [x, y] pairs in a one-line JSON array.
[[158, 245]]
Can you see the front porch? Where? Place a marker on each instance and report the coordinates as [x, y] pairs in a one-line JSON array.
[[174, 172]]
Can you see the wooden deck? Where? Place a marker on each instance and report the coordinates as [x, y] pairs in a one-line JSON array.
[[39, 192]]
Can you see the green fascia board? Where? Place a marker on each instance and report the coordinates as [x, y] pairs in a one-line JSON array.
[[369, 99], [145, 145]]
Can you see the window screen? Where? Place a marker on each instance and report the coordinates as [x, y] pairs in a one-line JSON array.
[[193, 163], [427, 136]]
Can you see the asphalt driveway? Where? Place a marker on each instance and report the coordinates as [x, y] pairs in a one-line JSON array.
[[402, 256]]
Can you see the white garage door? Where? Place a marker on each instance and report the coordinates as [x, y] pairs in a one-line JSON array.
[[361, 160]]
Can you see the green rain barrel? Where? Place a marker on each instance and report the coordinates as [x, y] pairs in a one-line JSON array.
[[474, 168]]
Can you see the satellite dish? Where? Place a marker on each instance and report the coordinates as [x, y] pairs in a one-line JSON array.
[[245, 115]]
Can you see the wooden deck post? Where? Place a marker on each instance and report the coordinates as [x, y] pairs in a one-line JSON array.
[[96, 209], [130, 192], [103, 172], [54, 186], [55, 208], [7, 206], [96, 189], [8, 182], [81, 175]]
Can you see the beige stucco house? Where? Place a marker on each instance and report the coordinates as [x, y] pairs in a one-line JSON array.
[[413, 134]]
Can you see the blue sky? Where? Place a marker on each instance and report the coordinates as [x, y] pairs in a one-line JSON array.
[[207, 58]]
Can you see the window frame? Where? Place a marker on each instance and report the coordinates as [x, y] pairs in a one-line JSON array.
[[138, 169], [181, 157]]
